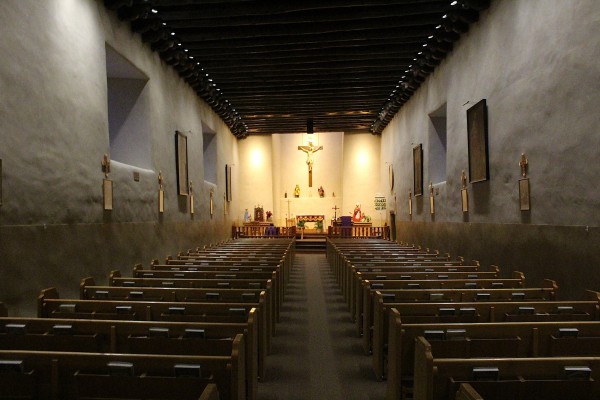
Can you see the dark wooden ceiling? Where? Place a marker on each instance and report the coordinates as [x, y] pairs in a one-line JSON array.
[[270, 66]]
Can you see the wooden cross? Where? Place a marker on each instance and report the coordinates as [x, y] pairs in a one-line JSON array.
[[309, 150], [335, 208]]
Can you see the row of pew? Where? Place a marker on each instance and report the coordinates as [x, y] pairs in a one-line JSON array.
[[443, 329], [194, 326]]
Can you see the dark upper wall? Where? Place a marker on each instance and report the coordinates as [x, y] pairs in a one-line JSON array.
[[54, 132], [535, 63]]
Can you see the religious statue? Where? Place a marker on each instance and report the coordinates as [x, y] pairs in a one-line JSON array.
[[523, 163], [310, 150], [321, 191], [246, 216], [106, 165], [357, 215], [297, 191]]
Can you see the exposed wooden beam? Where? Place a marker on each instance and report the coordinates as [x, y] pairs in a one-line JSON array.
[[185, 18]]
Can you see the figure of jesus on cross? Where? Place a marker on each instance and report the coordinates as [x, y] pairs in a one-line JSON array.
[[309, 150]]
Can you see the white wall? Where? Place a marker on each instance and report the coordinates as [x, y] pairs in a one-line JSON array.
[[53, 134], [255, 175], [536, 64], [362, 175]]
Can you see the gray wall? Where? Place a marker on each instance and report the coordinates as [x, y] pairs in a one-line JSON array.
[[536, 63], [54, 132]]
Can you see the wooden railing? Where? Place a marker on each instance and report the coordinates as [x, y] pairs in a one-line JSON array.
[[359, 232], [261, 231]]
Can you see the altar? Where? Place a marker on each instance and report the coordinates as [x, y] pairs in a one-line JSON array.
[[312, 220], [302, 208]]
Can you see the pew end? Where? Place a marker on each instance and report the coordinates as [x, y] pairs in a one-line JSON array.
[[466, 392], [592, 295], [48, 293], [210, 393], [88, 281], [518, 275], [550, 284], [115, 273]]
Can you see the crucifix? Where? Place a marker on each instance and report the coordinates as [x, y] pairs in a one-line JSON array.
[[335, 208], [309, 150]]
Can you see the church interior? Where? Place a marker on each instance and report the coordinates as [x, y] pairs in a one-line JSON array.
[[458, 132]]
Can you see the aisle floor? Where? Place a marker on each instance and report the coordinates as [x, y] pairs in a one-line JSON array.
[[316, 353]]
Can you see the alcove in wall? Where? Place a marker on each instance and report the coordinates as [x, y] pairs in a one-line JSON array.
[[209, 146], [128, 111], [437, 145]]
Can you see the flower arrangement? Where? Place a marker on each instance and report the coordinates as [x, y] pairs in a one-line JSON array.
[[319, 225], [269, 214]]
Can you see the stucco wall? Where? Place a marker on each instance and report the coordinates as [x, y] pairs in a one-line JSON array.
[[536, 64], [54, 132]]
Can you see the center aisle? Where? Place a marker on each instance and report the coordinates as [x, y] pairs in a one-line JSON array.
[[316, 354]]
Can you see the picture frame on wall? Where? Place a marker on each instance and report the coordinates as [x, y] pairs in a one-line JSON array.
[[477, 134], [183, 188], [418, 170], [228, 196]]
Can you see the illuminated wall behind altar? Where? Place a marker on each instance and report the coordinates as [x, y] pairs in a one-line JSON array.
[[347, 168]]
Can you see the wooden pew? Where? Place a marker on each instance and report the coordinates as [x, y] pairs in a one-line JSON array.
[[115, 279], [547, 291], [500, 339], [398, 280], [527, 311], [370, 305], [276, 281], [352, 283], [50, 305], [90, 291], [551, 378], [133, 337], [73, 375], [344, 275]]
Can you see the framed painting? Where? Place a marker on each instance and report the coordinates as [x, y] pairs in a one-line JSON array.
[[183, 188], [418, 170], [228, 182], [477, 133]]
